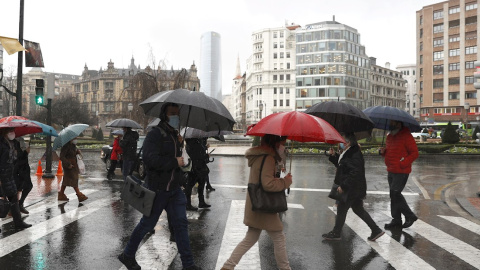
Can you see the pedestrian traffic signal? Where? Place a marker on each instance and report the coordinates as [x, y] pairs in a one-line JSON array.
[[40, 84]]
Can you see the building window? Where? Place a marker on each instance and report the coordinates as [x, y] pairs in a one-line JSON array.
[[438, 83], [421, 85], [453, 81], [454, 38], [282, 45], [421, 72], [275, 34], [469, 95], [421, 20], [287, 77], [471, 20], [274, 90], [287, 102], [438, 28], [437, 14], [275, 45], [453, 95], [454, 10], [281, 55], [469, 64], [421, 33], [470, 6], [421, 59], [454, 23], [471, 35], [454, 52], [454, 66], [471, 50], [274, 55], [469, 79], [281, 89], [281, 33], [421, 46], [281, 78], [288, 54], [274, 78], [275, 103], [438, 42], [281, 102], [437, 69], [287, 91], [437, 97], [437, 55]]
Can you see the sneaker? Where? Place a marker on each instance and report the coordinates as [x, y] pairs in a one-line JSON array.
[[332, 236], [129, 262], [191, 207], [393, 224], [376, 234]]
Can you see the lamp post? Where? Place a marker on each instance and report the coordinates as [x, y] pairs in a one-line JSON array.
[[260, 107], [130, 109], [466, 106]]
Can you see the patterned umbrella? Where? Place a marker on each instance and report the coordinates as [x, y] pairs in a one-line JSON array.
[[21, 128], [46, 129], [67, 134]]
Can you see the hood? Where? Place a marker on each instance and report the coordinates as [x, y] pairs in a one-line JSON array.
[[255, 152]]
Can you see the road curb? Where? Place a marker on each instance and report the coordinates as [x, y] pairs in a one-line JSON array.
[[463, 200]]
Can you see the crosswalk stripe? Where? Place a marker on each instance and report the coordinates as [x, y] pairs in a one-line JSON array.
[[50, 202], [22, 238], [157, 252], [395, 253], [449, 243], [463, 222], [235, 231]]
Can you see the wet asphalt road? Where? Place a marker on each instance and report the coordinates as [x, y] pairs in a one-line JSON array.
[[90, 235]]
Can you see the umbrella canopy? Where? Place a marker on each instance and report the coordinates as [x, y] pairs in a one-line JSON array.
[[117, 132], [381, 116], [196, 109], [197, 133], [124, 122], [297, 126], [21, 128], [67, 134], [343, 117], [46, 129]]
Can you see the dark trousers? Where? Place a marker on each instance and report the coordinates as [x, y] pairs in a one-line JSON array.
[[113, 166], [25, 188], [357, 207], [127, 168], [194, 178], [174, 203], [399, 206]]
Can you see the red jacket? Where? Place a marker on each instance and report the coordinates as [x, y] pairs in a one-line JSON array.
[[400, 151], [116, 149]]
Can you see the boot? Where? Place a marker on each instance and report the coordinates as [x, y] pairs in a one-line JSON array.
[[22, 209], [81, 197], [210, 188], [17, 217], [202, 203], [62, 196], [188, 195]]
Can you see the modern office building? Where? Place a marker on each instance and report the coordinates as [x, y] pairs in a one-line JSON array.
[[446, 50], [331, 64], [412, 103], [211, 65], [387, 86]]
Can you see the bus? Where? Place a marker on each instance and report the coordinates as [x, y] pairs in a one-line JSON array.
[[436, 129]]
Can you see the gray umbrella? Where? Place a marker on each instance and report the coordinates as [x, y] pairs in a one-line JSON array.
[[124, 122], [197, 133], [196, 109]]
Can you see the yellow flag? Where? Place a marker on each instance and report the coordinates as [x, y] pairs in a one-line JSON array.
[[11, 45]]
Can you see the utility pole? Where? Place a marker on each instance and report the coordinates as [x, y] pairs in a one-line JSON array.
[[20, 63], [50, 95]]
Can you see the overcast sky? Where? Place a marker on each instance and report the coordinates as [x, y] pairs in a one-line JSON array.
[[72, 33]]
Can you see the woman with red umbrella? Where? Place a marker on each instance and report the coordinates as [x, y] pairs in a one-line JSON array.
[[8, 156]]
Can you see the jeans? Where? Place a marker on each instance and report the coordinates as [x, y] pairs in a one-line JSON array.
[[357, 207], [399, 206], [174, 202], [127, 168]]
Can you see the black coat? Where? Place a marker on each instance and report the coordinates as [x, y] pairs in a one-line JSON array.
[[160, 151], [350, 173], [129, 145], [8, 156], [197, 151]]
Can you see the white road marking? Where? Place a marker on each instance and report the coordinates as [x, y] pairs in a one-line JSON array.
[[449, 243], [50, 202], [37, 231], [234, 233], [422, 189], [463, 222], [392, 251]]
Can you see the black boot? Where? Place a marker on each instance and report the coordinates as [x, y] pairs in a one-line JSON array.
[[188, 194], [22, 209], [17, 217], [209, 188], [202, 203]]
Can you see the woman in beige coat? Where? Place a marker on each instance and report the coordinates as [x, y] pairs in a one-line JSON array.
[[68, 156], [258, 221]]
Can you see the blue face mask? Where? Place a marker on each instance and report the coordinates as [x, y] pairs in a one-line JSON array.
[[341, 145], [174, 121]]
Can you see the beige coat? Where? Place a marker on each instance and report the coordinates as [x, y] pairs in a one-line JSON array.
[[260, 220]]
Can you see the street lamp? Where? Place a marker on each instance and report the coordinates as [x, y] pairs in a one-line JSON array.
[[260, 107], [466, 106], [130, 109]]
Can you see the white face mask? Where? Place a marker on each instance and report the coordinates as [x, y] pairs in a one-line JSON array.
[[281, 149], [74, 141], [11, 135]]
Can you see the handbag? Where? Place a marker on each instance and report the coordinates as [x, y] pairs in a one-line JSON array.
[[138, 196], [81, 164], [264, 201], [4, 205], [334, 194]]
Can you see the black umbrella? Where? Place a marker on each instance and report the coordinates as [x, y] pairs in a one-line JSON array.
[[124, 122], [196, 109], [343, 117]]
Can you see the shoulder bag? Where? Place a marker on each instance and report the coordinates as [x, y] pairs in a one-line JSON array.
[[81, 164], [264, 201], [138, 196], [334, 194]]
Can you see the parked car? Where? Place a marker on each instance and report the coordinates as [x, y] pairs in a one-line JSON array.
[[418, 135], [107, 150]]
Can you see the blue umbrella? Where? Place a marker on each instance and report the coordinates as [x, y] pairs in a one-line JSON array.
[[46, 129], [68, 134], [381, 116]]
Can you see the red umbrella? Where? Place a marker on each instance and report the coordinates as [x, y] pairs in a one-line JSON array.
[[297, 126], [21, 128]]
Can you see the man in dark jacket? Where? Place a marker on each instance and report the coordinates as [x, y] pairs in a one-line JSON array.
[[400, 151], [350, 177], [162, 157], [129, 148], [197, 151]]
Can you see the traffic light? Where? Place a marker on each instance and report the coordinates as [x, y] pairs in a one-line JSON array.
[[39, 86]]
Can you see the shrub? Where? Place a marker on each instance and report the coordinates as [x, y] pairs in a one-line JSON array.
[[94, 133], [475, 131], [100, 135], [450, 135]]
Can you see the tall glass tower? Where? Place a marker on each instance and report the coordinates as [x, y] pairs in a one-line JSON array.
[[211, 65]]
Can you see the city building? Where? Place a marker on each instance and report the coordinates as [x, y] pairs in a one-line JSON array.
[[446, 51], [238, 109], [412, 100], [270, 73], [387, 86], [211, 65], [331, 64]]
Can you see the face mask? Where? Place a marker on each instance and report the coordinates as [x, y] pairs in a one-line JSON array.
[[174, 121], [341, 145], [281, 149], [11, 135], [74, 141]]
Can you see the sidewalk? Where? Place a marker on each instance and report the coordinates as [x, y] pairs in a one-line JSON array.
[[466, 195]]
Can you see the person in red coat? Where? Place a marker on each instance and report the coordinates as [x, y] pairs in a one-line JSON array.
[[400, 152], [115, 156]]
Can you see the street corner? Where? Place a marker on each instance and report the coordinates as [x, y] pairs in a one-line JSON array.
[[466, 196]]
